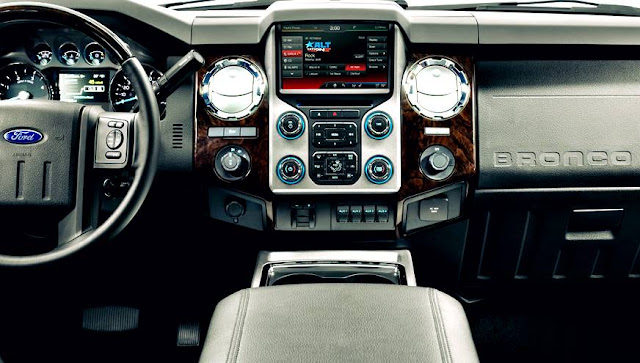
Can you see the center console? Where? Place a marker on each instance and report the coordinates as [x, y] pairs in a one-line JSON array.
[[336, 126], [336, 81]]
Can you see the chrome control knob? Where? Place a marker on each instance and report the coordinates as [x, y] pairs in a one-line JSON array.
[[232, 163], [378, 125], [379, 169], [290, 170], [290, 125], [437, 162]]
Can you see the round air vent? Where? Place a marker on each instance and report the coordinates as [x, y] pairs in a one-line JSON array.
[[436, 88], [233, 88]]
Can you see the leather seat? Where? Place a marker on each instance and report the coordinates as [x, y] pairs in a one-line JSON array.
[[339, 323]]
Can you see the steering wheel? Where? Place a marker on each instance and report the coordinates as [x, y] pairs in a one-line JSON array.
[[48, 147]]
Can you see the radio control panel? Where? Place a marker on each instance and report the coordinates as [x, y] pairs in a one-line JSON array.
[[345, 141]]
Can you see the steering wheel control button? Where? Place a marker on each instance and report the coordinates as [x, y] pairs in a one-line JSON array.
[[334, 134], [290, 170], [437, 162], [378, 125], [113, 155], [111, 145], [114, 139], [379, 170], [232, 163], [116, 124], [334, 167], [290, 125], [437, 88]]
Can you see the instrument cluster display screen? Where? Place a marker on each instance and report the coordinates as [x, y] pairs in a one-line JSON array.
[[84, 86], [335, 56]]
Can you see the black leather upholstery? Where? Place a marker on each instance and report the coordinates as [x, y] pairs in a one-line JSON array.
[[339, 323]]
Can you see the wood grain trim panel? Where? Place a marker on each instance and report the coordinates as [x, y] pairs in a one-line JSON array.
[[257, 183], [460, 142]]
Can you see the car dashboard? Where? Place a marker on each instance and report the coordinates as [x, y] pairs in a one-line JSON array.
[[501, 146]]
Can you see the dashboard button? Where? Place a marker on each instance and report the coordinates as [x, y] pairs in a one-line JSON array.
[[342, 213], [231, 132], [434, 209], [356, 213], [335, 134], [350, 114], [249, 131], [215, 132], [318, 113], [334, 114], [369, 212], [382, 213]]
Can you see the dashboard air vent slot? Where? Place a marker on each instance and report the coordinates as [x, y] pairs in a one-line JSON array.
[[177, 136]]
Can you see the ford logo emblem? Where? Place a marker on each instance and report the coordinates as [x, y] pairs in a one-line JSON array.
[[23, 136]]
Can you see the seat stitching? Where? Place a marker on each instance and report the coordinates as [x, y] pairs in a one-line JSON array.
[[444, 329], [234, 347], [432, 307], [243, 318]]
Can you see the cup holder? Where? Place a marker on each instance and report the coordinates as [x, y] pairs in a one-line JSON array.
[[323, 273]]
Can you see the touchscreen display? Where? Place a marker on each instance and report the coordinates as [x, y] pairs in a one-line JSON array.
[[84, 86], [334, 56]]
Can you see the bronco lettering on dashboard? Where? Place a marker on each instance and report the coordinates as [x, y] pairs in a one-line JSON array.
[[561, 159]]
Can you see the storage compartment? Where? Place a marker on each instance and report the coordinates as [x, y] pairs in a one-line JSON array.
[[554, 235], [312, 267]]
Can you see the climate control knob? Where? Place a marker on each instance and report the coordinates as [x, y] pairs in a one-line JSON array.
[[290, 170], [290, 125], [437, 162], [379, 169], [378, 125], [232, 163]]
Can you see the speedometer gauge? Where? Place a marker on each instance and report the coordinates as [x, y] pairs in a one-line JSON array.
[[21, 81], [121, 92]]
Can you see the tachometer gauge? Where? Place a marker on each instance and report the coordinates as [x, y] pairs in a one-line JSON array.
[[20, 81], [69, 54], [94, 54], [122, 95], [42, 54]]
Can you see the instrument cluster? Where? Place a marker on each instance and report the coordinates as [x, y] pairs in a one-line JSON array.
[[56, 64]]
